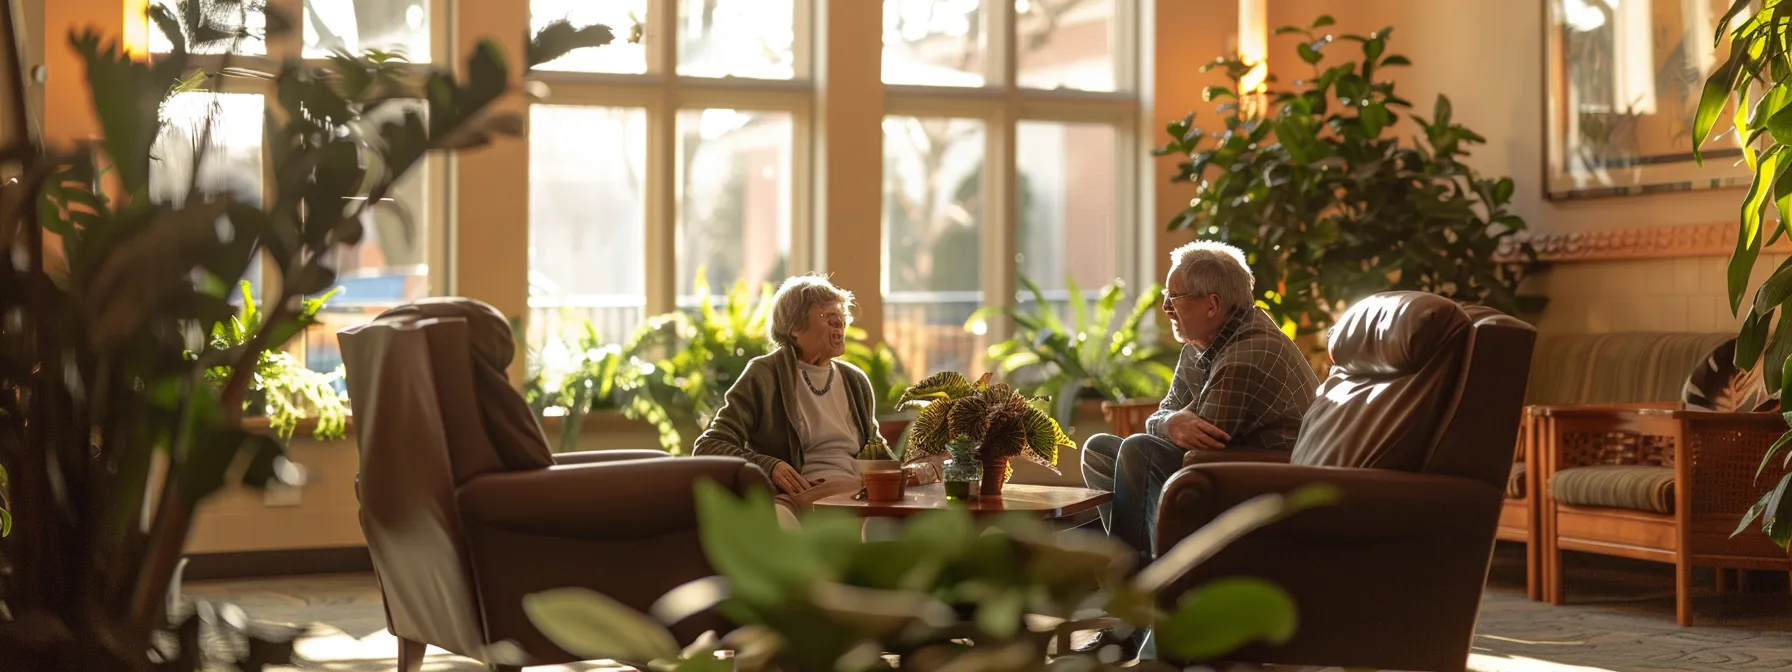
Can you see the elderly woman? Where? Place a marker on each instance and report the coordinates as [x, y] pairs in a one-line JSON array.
[[798, 413]]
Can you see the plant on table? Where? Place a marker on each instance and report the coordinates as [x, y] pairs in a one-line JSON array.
[[1762, 119], [1329, 206], [938, 592], [1089, 354], [1001, 423], [109, 429]]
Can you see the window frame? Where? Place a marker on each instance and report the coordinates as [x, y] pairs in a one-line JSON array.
[[662, 93], [1002, 105]]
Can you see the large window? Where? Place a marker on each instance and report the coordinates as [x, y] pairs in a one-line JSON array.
[[587, 220], [404, 231], [663, 158], [1006, 146]]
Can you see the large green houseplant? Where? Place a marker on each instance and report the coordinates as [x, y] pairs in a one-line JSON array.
[[1329, 205], [941, 592], [1757, 77], [109, 430]]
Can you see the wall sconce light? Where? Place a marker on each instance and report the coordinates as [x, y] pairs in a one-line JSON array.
[[1253, 49], [136, 30]]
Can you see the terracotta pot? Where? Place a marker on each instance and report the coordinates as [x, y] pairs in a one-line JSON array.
[[995, 475], [1128, 417]]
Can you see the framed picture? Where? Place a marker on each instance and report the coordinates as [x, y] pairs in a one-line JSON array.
[[1623, 84]]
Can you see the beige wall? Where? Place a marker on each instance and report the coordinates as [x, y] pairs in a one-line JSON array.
[[1487, 56]]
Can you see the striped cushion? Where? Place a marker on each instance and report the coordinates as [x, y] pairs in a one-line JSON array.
[[1616, 486], [1515, 482], [1618, 367]]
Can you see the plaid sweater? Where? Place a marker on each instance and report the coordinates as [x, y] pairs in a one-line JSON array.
[[1252, 382]]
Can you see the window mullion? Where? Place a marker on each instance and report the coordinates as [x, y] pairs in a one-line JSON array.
[[1001, 217], [661, 237]]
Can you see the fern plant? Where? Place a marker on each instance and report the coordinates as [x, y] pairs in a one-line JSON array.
[[282, 389], [1000, 422], [1090, 353], [596, 376]]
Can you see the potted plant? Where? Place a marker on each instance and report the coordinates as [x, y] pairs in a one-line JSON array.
[[283, 390], [997, 424], [1329, 205], [1089, 355], [587, 374]]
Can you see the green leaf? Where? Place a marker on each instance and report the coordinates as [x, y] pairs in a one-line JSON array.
[[1748, 237], [1752, 339], [1308, 53], [1375, 117], [1724, 23], [592, 625], [1711, 102], [1776, 289], [1372, 49], [1396, 59], [1323, 21], [559, 38], [1222, 616]]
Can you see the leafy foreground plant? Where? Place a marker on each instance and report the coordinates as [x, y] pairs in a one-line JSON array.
[[939, 593], [1089, 353], [1329, 207], [1758, 56], [108, 426]]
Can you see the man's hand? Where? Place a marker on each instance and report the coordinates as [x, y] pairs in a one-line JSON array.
[[1192, 433], [787, 479]]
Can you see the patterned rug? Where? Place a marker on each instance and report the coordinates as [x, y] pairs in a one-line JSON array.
[[1620, 618]]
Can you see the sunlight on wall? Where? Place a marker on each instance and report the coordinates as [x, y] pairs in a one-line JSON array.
[[136, 29], [1253, 43]]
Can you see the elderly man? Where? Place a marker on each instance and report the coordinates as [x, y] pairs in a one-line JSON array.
[[1240, 383]]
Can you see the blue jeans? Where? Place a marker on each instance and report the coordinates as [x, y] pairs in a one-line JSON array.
[[1135, 469]]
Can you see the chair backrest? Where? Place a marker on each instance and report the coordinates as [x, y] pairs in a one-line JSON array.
[[1618, 367], [1421, 384], [411, 403]]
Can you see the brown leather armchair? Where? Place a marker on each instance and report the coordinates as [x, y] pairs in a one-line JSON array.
[[1415, 427], [466, 511]]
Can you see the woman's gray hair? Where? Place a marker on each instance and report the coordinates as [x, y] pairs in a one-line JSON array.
[[793, 301], [1211, 267]]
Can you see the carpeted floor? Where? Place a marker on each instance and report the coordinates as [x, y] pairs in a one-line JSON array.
[[1620, 618]]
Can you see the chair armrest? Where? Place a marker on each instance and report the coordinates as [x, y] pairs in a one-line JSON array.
[[1195, 457], [1572, 410], [615, 501], [1722, 452], [1375, 506], [601, 456]]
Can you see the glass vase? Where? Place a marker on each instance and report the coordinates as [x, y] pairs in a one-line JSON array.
[[963, 473]]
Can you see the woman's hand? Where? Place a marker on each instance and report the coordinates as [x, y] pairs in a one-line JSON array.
[[787, 479]]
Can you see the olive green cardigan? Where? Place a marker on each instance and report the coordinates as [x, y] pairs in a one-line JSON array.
[[755, 424]]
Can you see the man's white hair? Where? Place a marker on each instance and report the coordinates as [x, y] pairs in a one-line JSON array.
[[793, 301], [1212, 267]]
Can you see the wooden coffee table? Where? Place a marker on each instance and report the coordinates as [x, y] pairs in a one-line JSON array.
[[1064, 505]]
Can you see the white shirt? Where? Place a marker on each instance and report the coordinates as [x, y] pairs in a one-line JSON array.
[[825, 425]]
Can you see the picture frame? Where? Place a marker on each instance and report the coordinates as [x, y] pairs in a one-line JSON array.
[[1622, 86]]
